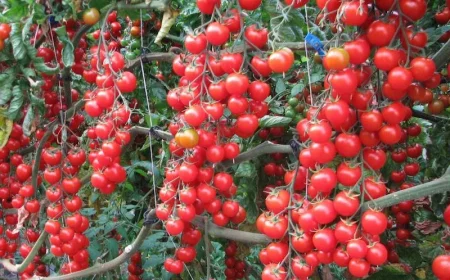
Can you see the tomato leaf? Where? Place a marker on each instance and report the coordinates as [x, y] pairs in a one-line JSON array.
[[5, 96], [390, 271], [280, 86], [40, 66], [19, 50], [17, 11], [245, 169], [27, 121], [16, 103], [68, 57], [297, 89], [98, 4], [274, 121], [26, 28], [430, 250], [409, 255], [435, 33]]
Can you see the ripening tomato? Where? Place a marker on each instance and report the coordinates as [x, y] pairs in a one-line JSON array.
[[400, 78], [257, 37], [380, 33], [413, 9], [422, 68], [324, 212], [358, 50], [127, 82], [377, 254], [91, 16], [336, 59], [348, 145], [355, 13], [359, 268], [346, 204], [195, 44], [281, 60], [173, 266], [324, 240], [217, 34], [277, 201], [374, 222]]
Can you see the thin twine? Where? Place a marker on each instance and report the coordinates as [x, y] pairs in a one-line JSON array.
[[309, 84]]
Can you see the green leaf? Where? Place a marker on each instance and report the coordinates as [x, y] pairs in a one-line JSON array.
[[16, 12], [16, 103], [39, 13], [26, 28], [297, 89], [390, 271], [113, 247], [246, 169], [435, 33], [274, 121], [280, 86], [276, 107], [5, 95], [88, 211], [28, 72], [154, 260], [67, 53], [153, 240], [19, 50], [40, 66], [316, 77], [26, 126], [430, 250], [94, 249], [98, 4], [409, 255], [438, 204], [38, 103]]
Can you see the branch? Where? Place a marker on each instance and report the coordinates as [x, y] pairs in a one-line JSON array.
[[17, 268], [154, 56], [99, 268], [169, 56], [154, 4], [428, 117], [145, 130], [231, 234], [441, 57], [439, 185], [262, 149]]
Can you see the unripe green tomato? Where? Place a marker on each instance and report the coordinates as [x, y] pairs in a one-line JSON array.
[[290, 113], [130, 55], [135, 44], [293, 101], [298, 118], [125, 42]]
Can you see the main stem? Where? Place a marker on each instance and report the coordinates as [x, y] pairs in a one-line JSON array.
[[433, 187]]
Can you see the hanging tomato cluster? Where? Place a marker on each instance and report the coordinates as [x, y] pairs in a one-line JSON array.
[[135, 267], [216, 99], [348, 132], [236, 268]]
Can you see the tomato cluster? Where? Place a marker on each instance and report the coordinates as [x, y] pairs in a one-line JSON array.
[[135, 267], [236, 268], [216, 99]]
